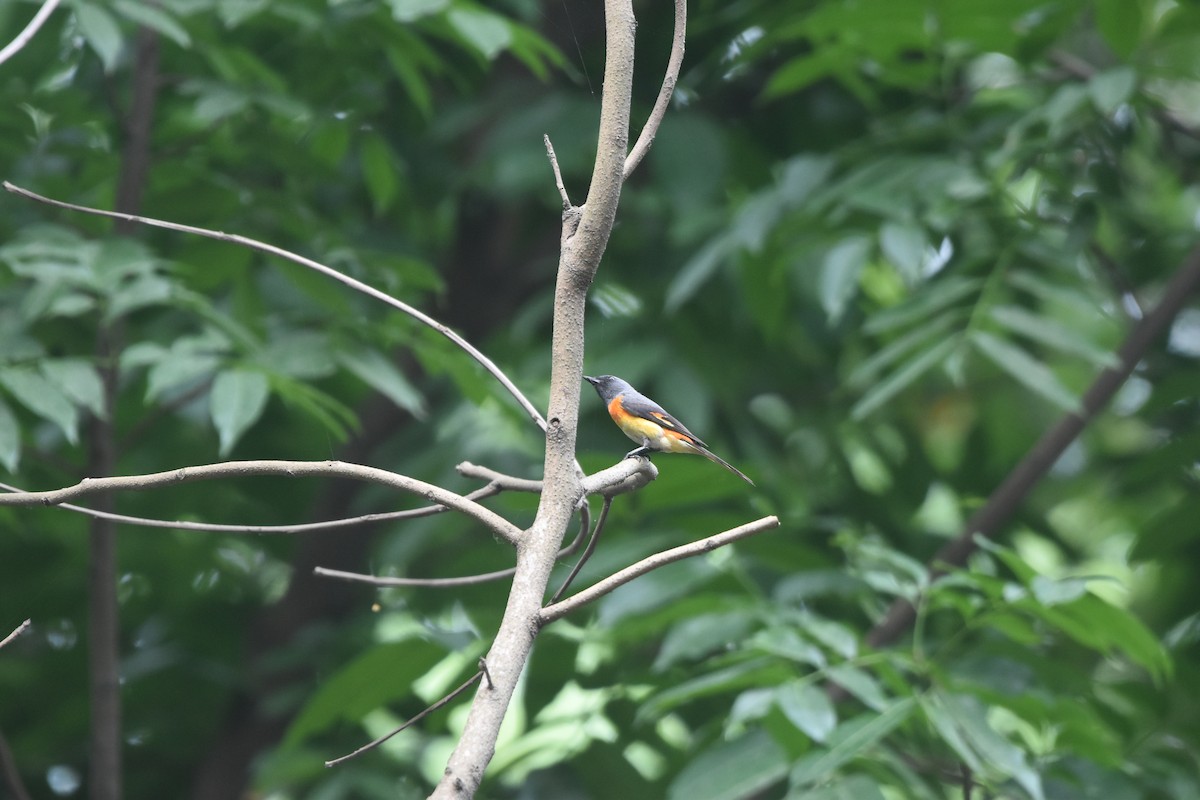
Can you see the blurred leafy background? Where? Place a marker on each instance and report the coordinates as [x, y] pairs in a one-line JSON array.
[[879, 247]]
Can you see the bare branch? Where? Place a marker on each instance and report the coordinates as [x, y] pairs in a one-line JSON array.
[[1009, 495], [627, 475], [330, 469], [558, 179], [372, 745], [585, 523], [22, 39], [650, 130], [506, 483], [316, 266], [305, 527], [16, 632], [584, 238], [558, 610], [587, 553]]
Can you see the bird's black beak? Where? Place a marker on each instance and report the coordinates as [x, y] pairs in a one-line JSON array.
[[591, 380]]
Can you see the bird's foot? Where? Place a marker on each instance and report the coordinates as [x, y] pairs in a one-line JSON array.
[[642, 451]]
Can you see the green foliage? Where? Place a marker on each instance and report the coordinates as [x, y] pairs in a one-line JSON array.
[[879, 248]]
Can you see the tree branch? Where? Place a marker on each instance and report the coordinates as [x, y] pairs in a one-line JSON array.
[[627, 475], [1009, 495], [596, 591], [464, 580], [650, 130], [558, 179], [16, 632], [297, 469], [22, 38], [304, 527], [316, 266], [587, 553], [583, 245], [372, 745]]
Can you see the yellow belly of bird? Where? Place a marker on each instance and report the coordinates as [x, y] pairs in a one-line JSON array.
[[643, 431]]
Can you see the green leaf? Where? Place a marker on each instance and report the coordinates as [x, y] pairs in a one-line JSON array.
[[834, 635], [1050, 592], [334, 416], [382, 375], [379, 676], [808, 708], [731, 770], [852, 787], [752, 672], [698, 270], [306, 355], [851, 740], [408, 70], [376, 162], [144, 291], [697, 636], [79, 381], [412, 10], [155, 18], [860, 684], [43, 398], [840, 272], [904, 244], [10, 438], [236, 402], [485, 31], [179, 368], [1051, 333], [1026, 369], [101, 32], [962, 720], [929, 300], [750, 705], [1112, 88], [800, 72], [787, 643], [1098, 624], [234, 12], [902, 378], [1121, 23]]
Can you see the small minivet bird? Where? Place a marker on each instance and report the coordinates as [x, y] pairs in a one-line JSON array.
[[650, 425]]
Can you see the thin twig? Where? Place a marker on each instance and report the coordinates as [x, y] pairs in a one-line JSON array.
[[558, 610], [372, 745], [508, 483], [22, 39], [650, 130], [627, 475], [587, 553], [445, 583], [297, 469], [16, 632], [316, 266], [558, 179], [273, 530]]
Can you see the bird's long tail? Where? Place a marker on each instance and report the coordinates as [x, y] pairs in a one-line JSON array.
[[716, 459]]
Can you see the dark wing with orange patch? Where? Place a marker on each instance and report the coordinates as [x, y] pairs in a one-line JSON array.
[[639, 405]]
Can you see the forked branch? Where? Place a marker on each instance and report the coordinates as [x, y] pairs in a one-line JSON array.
[[558, 610], [296, 469]]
